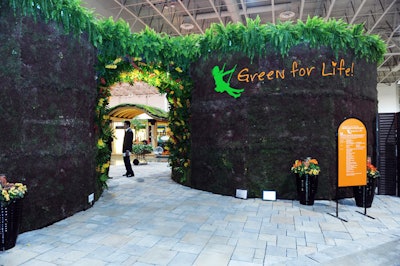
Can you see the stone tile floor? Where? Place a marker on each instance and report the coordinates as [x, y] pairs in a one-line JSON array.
[[150, 220]]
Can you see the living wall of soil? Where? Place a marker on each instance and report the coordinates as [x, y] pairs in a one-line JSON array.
[[252, 141], [47, 97]]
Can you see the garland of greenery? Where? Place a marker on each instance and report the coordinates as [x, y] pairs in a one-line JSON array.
[[315, 32], [115, 39], [163, 61]]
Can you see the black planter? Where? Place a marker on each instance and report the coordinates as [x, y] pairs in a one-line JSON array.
[[306, 188], [10, 218], [369, 193]]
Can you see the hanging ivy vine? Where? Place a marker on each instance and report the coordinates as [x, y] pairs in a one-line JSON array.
[[163, 61]]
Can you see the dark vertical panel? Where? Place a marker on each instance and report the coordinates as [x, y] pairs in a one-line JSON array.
[[397, 153], [387, 153]]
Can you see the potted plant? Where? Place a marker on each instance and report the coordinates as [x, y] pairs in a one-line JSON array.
[[10, 211], [306, 172], [364, 195], [140, 150]]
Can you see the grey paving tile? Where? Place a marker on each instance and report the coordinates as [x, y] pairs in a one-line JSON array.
[[16, 256], [183, 259], [276, 251], [243, 254], [40, 263], [243, 263], [216, 239], [336, 235], [212, 258], [227, 249], [158, 256], [155, 221], [187, 248], [317, 238], [51, 256], [286, 242], [291, 253], [88, 261], [149, 241], [274, 260]]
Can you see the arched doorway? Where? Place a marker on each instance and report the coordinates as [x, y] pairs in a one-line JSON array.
[[169, 79]]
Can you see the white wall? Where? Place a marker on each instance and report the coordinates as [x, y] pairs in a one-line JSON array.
[[388, 98], [154, 100]]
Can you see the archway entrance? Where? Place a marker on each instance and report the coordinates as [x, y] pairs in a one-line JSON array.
[[170, 80]]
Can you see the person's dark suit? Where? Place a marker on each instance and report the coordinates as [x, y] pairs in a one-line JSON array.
[[127, 146]]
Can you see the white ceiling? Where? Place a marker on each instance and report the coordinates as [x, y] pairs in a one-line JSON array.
[[380, 17]]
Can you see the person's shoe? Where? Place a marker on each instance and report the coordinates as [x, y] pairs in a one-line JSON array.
[[130, 175], [125, 174]]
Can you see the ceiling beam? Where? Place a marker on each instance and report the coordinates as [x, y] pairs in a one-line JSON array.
[[273, 10], [381, 65], [119, 13], [130, 12], [191, 17], [391, 35], [357, 12], [164, 17], [233, 9], [252, 10], [217, 14], [394, 69], [381, 17], [328, 14], [244, 8], [301, 9]]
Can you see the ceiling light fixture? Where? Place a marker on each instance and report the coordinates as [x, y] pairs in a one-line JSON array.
[[187, 26], [287, 15]]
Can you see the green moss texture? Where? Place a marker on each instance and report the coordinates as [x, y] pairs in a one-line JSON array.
[[47, 98], [252, 141]]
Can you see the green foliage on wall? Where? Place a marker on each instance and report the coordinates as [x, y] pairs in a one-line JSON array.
[[70, 14], [252, 39], [115, 39], [171, 56]]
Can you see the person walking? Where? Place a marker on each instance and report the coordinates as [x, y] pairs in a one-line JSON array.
[[127, 148]]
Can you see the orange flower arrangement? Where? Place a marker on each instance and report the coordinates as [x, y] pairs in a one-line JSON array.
[[308, 166], [10, 191], [372, 171]]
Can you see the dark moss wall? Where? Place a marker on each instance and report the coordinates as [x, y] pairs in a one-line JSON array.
[[47, 100], [251, 142]]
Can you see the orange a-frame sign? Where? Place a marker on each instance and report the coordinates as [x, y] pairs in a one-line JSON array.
[[352, 153]]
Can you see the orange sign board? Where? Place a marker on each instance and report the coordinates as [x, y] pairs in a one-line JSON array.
[[352, 153]]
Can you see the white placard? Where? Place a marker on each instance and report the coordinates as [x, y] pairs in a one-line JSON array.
[[269, 195], [241, 193]]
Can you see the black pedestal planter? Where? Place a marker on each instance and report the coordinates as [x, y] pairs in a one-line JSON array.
[[306, 188], [10, 218], [366, 192]]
